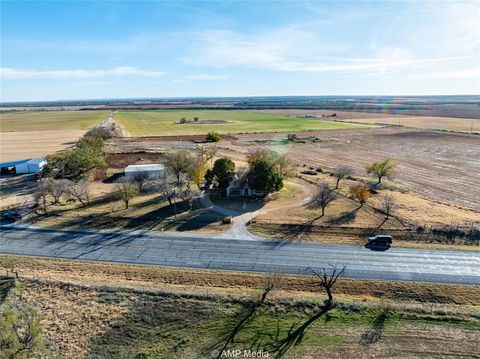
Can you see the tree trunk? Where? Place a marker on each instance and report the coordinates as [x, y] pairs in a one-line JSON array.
[[126, 204], [338, 181]]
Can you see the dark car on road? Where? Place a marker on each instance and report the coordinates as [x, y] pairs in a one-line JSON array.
[[380, 239]]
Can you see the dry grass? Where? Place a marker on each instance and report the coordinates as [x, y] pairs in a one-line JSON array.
[[100, 310], [160, 279]]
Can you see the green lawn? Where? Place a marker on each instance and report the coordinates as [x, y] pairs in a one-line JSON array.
[[164, 122], [50, 120]]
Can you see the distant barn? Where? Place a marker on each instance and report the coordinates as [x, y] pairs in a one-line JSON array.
[[150, 171]]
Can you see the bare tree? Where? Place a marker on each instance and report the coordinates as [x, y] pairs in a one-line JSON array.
[[125, 190], [79, 191], [57, 188], [140, 178], [327, 280], [272, 281], [178, 162], [206, 153], [284, 166], [323, 196], [41, 195], [387, 206], [342, 171], [361, 193]]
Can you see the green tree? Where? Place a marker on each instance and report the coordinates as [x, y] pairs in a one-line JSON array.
[[381, 169], [213, 137], [125, 191], [223, 169], [20, 334], [178, 163], [266, 177], [73, 164]]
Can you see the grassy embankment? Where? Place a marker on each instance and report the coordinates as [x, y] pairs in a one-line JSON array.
[[151, 312]]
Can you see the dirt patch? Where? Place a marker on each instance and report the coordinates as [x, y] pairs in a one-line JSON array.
[[122, 160]]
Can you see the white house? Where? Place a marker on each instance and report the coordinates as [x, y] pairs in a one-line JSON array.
[[151, 170], [238, 187], [30, 165]]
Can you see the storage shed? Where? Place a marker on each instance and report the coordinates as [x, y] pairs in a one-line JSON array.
[[150, 170], [29, 165]]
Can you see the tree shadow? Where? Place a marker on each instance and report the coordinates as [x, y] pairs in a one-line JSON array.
[[296, 334], [152, 327], [373, 335], [344, 218], [6, 284], [17, 185]]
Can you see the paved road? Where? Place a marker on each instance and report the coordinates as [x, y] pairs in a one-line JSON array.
[[201, 251]]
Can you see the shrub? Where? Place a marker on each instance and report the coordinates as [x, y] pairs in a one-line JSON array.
[[227, 220], [213, 137]]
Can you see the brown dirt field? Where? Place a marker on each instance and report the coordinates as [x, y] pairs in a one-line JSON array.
[[27, 144], [122, 160], [163, 279], [422, 122], [439, 166]]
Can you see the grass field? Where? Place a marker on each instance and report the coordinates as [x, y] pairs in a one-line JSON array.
[[50, 120], [163, 122]]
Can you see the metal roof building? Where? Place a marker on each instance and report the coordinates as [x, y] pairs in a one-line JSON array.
[[151, 170], [29, 165]]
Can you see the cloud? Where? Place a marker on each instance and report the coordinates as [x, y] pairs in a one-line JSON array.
[[293, 50], [10, 73], [468, 73], [205, 77]]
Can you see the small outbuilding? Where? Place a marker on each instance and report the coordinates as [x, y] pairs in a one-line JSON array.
[[149, 170], [29, 165]]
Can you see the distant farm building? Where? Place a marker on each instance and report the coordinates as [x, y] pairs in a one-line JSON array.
[[149, 171], [29, 165]]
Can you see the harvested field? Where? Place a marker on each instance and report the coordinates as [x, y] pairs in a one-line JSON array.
[[28, 134], [27, 144], [440, 166], [164, 122], [50, 120]]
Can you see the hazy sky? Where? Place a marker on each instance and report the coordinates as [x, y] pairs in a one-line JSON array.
[[83, 50]]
